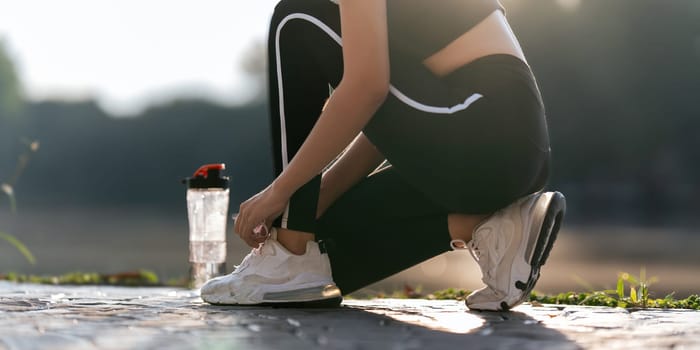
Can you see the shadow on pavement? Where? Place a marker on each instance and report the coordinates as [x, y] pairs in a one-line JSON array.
[[393, 324]]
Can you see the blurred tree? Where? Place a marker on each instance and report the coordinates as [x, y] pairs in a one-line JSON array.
[[11, 101], [254, 64]]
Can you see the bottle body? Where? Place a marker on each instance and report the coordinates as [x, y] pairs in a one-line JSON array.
[[207, 209]]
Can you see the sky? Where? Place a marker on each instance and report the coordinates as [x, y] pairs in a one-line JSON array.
[[128, 54]]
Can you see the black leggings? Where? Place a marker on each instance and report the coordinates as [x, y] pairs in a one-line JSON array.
[[471, 143]]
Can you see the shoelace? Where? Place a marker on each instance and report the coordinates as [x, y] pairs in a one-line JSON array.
[[254, 253], [479, 255], [260, 231], [472, 247]]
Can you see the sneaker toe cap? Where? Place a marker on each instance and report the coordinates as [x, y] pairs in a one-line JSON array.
[[486, 299], [217, 290]]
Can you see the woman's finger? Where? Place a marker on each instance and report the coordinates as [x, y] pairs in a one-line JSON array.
[[235, 222], [240, 222], [253, 239], [261, 232], [249, 241], [249, 231], [237, 225]]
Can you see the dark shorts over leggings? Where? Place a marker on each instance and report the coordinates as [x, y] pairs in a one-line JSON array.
[[471, 142]]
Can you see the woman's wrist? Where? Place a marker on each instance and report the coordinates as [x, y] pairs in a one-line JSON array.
[[282, 186]]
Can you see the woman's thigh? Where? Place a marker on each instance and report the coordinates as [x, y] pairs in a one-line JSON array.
[[473, 145]]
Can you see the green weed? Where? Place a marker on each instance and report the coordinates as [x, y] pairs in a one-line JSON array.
[[19, 246], [7, 189], [631, 292]]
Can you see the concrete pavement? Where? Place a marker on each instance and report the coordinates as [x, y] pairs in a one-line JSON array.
[[101, 317]]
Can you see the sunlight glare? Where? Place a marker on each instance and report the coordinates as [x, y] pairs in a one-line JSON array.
[[451, 316], [569, 5], [434, 267]]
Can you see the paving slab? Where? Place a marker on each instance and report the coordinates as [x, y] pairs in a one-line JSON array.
[[102, 317]]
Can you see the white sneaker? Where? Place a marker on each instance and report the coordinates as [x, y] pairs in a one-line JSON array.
[[510, 248], [270, 274]]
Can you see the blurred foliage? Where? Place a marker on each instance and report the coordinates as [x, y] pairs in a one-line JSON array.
[[7, 190], [11, 100], [90, 159], [619, 80], [132, 278], [449, 293]]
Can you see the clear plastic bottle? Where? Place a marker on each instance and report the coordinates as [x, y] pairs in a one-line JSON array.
[[207, 210]]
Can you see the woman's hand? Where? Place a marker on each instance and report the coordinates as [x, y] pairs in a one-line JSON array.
[[262, 208]]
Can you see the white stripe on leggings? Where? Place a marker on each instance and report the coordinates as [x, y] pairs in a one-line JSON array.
[[393, 90]]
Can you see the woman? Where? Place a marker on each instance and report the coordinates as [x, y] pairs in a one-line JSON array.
[[441, 90]]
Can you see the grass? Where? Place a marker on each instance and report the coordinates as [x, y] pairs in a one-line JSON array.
[[602, 298], [595, 298], [631, 292], [19, 246]]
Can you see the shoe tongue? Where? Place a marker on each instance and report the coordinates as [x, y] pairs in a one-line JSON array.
[[267, 248]]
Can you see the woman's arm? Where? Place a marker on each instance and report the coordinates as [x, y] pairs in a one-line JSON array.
[[360, 159], [357, 97], [361, 91]]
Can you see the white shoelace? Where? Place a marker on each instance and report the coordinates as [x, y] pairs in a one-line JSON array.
[[253, 255], [261, 231], [472, 246], [480, 255]]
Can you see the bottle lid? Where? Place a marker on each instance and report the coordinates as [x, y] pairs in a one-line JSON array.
[[208, 176]]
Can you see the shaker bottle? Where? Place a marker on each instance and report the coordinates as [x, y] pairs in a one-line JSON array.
[[207, 208]]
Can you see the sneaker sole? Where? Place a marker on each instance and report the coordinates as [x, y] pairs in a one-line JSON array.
[[312, 297], [314, 304], [548, 233]]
